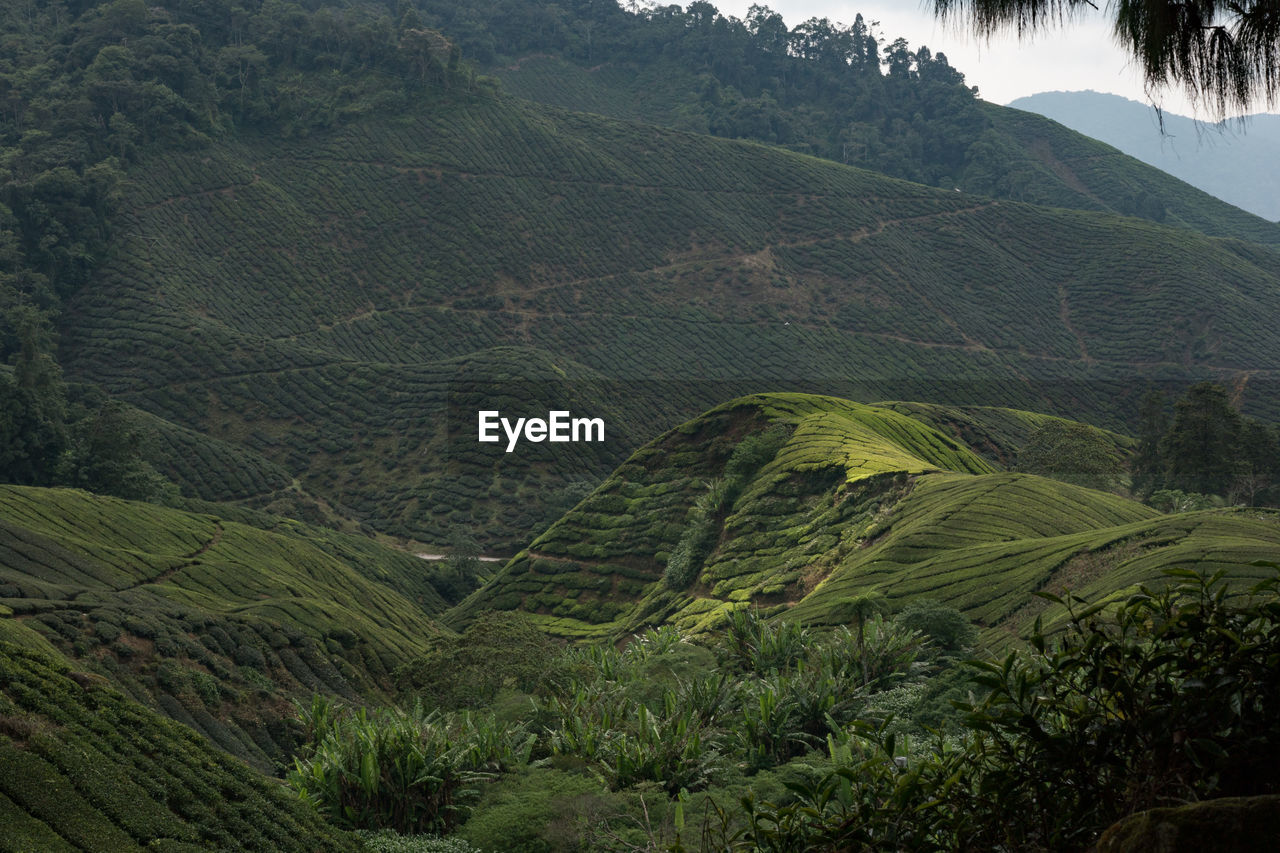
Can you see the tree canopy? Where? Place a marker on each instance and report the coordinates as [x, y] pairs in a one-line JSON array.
[[1223, 54]]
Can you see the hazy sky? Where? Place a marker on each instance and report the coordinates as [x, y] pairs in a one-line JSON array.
[[1081, 55]]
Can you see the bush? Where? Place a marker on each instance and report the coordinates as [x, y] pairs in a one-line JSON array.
[[945, 626], [1162, 698], [387, 841], [413, 772]]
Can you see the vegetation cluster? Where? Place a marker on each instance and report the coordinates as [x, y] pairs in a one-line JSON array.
[[767, 736], [1206, 450]]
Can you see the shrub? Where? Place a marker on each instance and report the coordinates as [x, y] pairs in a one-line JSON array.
[[412, 772], [387, 841], [1164, 697]]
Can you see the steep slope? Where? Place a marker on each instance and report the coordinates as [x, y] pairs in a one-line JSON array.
[[215, 623], [318, 301], [848, 498], [1234, 161], [83, 767], [1106, 179], [1004, 153]]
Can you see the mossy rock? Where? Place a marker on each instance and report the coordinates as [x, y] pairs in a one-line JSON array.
[[1227, 825]]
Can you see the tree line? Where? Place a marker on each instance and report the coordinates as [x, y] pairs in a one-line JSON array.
[[1195, 453], [840, 91], [1204, 447]]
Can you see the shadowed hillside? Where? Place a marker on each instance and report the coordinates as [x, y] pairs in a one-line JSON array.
[[319, 301], [87, 768]]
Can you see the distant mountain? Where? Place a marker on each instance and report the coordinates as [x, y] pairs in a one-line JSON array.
[[1235, 162]]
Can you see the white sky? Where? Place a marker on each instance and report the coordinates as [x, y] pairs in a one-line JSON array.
[[1080, 55]]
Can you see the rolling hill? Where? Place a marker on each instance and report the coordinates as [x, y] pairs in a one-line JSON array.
[[848, 498], [215, 623], [87, 768], [1007, 153]]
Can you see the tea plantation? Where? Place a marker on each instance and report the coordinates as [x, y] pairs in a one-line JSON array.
[[213, 622], [87, 768], [317, 301], [1009, 153], [840, 500]]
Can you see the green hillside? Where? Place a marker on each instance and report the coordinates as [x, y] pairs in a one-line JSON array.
[[83, 767], [997, 434], [215, 623], [848, 498], [920, 124], [318, 300]]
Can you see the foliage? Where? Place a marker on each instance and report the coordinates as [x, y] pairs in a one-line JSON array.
[[1207, 448], [497, 651], [708, 511], [698, 539], [1223, 55], [1165, 696], [1176, 500], [1153, 422], [534, 810], [387, 841], [944, 626], [410, 772], [105, 456], [760, 647], [1200, 446]]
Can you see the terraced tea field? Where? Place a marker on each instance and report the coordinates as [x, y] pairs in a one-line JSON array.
[[86, 768], [214, 622], [317, 303], [1034, 159], [856, 499]]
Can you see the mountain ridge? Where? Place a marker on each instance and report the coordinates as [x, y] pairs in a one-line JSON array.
[[1230, 160]]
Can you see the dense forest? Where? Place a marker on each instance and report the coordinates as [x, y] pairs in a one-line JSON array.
[[844, 92]]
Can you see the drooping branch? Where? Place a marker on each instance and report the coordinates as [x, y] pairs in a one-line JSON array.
[[1224, 55]]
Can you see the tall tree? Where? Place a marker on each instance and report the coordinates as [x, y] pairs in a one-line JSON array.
[[1200, 448], [1153, 422], [33, 406], [1259, 460]]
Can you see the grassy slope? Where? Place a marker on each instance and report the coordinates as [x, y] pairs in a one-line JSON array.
[[216, 623], [83, 767], [858, 498], [318, 300], [1042, 161], [995, 433]]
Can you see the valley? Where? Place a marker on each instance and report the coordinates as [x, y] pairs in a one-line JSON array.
[[867, 466]]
